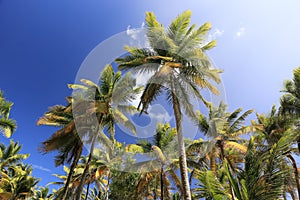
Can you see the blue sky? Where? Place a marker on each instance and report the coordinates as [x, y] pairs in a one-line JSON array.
[[43, 43]]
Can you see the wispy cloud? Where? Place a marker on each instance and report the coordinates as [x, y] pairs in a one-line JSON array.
[[159, 113], [41, 168], [137, 36], [241, 31], [217, 33]]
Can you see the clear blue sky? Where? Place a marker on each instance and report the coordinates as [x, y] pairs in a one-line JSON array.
[[43, 43]]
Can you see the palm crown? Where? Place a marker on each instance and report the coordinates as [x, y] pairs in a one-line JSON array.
[[180, 68]]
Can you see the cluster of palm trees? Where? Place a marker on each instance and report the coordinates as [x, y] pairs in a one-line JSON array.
[[244, 162]]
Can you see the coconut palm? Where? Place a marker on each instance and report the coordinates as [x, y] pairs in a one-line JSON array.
[[10, 155], [163, 143], [59, 193], [101, 166], [17, 182], [224, 129], [209, 186], [290, 100], [273, 127], [66, 140], [180, 68], [263, 175], [7, 125], [107, 101]]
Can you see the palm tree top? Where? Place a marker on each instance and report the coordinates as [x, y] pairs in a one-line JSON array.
[[176, 54], [7, 125]]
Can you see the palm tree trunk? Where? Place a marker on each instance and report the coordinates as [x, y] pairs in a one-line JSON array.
[[86, 169], [221, 145], [191, 176], [213, 165], [162, 183], [295, 172], [87, 191], [87, 166], [73, 166], [182, 156], [107, 186], [298, 144]]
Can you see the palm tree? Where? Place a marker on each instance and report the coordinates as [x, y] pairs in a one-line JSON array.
[[163, 142], [66, 140], [180, 68], [263, 175], [42, 193], [210, 187], [107, 101], [16, 179], [76, 176], [224, 128], [100, 167], [17, 183], [290, 100], [273, 127], [10, 155], [7, 125]]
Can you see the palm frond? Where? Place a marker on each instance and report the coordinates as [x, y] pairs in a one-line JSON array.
[[123, 120], [210, 187], [7, 127], [179, 27]]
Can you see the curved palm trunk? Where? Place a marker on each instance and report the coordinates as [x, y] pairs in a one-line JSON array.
[[87, 166], [182, 156], [295, 172], [86, 169], [73, 166]]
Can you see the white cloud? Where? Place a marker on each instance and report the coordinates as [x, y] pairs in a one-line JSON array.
[[214, 35], [137, 36], [240, 32], [41, 168], [159, 113], [217, 33]]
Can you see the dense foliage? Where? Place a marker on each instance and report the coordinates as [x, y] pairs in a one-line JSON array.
[[242, 160]]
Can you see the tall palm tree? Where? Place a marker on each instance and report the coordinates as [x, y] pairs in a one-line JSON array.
[[180, 68], [108, 101], [7, 125], [66, 140]]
